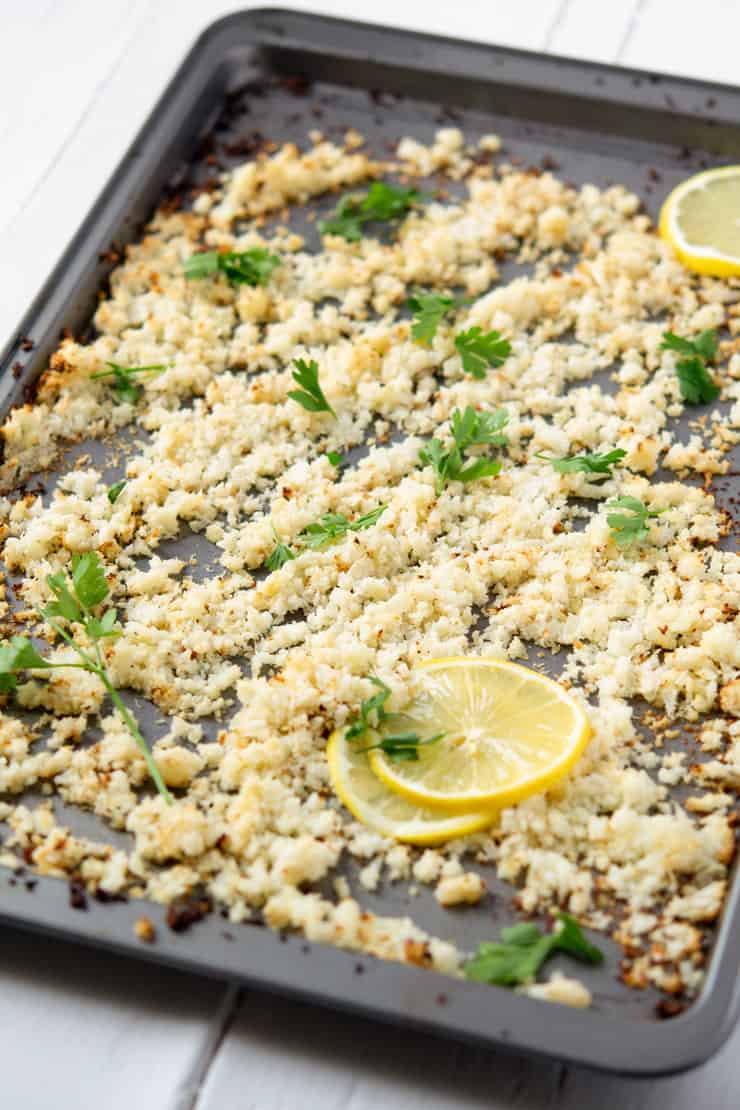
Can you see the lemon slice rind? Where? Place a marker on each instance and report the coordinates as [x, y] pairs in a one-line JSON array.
[[552, 749], [386, 812]]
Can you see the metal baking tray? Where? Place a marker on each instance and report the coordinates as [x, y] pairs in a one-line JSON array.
[[281, 74]]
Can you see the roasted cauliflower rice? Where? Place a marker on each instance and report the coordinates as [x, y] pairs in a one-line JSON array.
[[520, 565]]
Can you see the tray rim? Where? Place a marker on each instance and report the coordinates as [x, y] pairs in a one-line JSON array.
[[394, 993]]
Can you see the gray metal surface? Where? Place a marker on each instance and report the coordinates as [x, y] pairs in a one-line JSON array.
[[280, 75]]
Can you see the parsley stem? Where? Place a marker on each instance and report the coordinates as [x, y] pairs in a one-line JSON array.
[[97, 667], [134, 730], [88, 662], [128, 370]]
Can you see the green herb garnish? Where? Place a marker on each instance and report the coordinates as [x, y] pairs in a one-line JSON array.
[[332, 526], [116, 490], [280, 554], [403, 748], [429, 310], [252, 267], [632, 528], [585, 464], [480, 351], [75, 599], [124, 383], [522, 950], [329, 527], [469, 429], [334, 458], [381, 202], [311, 396], [372, 711], [698, 387]]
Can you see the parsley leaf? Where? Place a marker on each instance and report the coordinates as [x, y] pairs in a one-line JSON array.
[[522, 950], [65, 605], [477, 429], [105, 627], [404, 747], [334, 458], [698, 387], [585, 464], [705, 344], [116, 490], [17, 654], [280, 554], [381, 202], [88, 577], [372, 710], [633, 528], [480, 351], [252, 267], [89, 588], [469, 429], [429, 310], [124, 383], [332, 526], [311, 396]]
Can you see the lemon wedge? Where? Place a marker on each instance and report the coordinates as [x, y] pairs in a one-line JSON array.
[[381, 809], [701, 221], [509, 732]]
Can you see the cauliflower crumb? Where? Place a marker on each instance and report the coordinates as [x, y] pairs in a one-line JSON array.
[[562, 989], [469, 888]]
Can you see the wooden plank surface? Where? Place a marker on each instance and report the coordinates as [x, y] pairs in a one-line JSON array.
[[83, 1030], [281, 1055]]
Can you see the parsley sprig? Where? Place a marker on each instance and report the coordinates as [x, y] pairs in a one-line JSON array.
[[320, 533], [522, 950], [429, 309], [332, 526], [698, 387], [480, 351], [75, 599], [633, 526], [469, 429], [280, 554], [382, 202], [252, 267], [372, 711], [403, 748], [311, 395], [585, 464], [124, 380]]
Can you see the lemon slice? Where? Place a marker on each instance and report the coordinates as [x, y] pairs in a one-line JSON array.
[[701, 221], [381, 809], [509, 732]]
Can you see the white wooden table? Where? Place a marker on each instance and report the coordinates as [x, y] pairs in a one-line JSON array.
[[85, 1031]]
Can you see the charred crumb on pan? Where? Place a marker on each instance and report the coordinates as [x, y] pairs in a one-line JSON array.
[[77, 893], [183, 913], [667, 1008], [145, 930]]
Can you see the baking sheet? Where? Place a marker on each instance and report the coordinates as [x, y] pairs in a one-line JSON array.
[[276, 76]]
